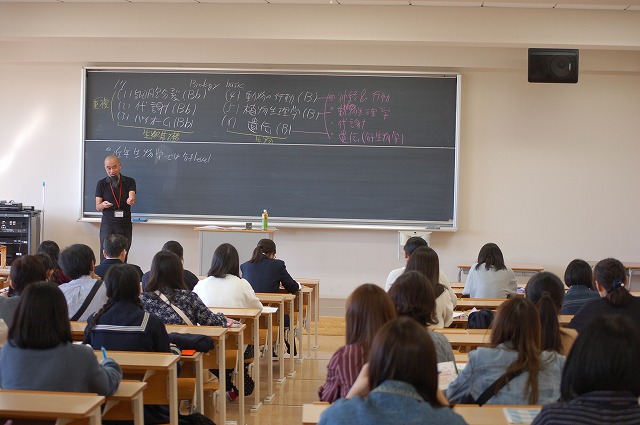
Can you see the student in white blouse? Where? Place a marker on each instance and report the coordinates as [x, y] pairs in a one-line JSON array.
[[223, 287]]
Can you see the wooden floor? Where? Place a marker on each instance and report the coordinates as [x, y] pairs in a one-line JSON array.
[[286, 408]]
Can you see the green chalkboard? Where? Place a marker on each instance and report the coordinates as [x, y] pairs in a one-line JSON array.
[[314, 149]]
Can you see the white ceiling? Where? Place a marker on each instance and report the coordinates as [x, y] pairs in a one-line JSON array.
[[538, 4]]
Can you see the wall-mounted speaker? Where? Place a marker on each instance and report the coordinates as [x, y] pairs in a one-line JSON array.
[[553, 65]]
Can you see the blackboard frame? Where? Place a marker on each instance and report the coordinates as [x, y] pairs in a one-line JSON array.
[[87, 206]]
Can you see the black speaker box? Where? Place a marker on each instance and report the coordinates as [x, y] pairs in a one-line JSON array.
[[553, 65]]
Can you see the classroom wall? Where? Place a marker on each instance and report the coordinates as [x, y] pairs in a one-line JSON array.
[[547, 171]]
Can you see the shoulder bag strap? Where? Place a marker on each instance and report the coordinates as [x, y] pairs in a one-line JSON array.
[[175, 308], [87, 301], [496, 386]]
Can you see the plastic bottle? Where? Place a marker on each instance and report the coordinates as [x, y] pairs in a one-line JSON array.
[[265, 220]]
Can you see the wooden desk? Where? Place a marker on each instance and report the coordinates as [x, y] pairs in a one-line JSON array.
[[479, 303], [314, 284], [630, 267], [466, 337], [520, 269], [251, 318], [487, 414], [128, 392], [311, 413], [42, 405], [279, 299], [219, 335], [461, 322], [158, 370]]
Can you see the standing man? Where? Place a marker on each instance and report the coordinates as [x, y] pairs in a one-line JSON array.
[[115, 195]]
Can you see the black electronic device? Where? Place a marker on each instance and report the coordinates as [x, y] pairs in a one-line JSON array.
[[20, 232], [553, 65], [10, 206]]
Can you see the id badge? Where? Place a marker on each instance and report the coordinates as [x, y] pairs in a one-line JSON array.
[[118, 213]]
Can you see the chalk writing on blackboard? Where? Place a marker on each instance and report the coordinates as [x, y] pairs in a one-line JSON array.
[[159, 154]]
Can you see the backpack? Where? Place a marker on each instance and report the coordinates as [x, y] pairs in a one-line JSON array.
[[481, 319]]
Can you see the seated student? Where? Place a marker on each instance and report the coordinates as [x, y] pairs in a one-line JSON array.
[[190, 279], [368, 308], [413, 296], [167, 297], [489, 277], [49, 266], [25, 270], [40, 354], [546, 291], [515, 356], [425, 260], [579, 278], [224, 288], [115, 252], [123, 325], [399, 384], [85, 294], [412, 244], [265, 273], [611, 283], [53, 250], [601, 379]]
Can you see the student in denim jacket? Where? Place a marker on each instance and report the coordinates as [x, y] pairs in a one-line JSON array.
[[515, 346], [398, 385]]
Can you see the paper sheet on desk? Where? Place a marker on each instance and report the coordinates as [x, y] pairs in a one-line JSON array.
[[270, 310], [446, 375], [520, 415]]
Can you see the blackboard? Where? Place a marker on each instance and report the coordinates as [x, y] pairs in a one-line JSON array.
[[313, 149]]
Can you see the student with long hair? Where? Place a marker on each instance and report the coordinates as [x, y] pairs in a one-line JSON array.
[[52, 249], [40, 354], [490, 277], [546, 291], [578, 276], [610, 278], [425, 260], [412, 295], [514, 359], [122, 324], [399, 384], [368, 308], [224, 288], [167, 296], [601, 379]]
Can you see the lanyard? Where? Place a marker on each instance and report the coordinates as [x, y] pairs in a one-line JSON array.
[[114, 194]]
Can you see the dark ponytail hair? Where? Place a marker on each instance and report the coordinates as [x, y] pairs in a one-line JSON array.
[[612, 276], [546, 291], [265, 247], [123, 284]]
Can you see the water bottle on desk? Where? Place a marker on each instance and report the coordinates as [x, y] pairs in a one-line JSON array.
[[265, 220]]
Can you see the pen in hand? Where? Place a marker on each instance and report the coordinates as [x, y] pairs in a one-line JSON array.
[[104, 352]]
